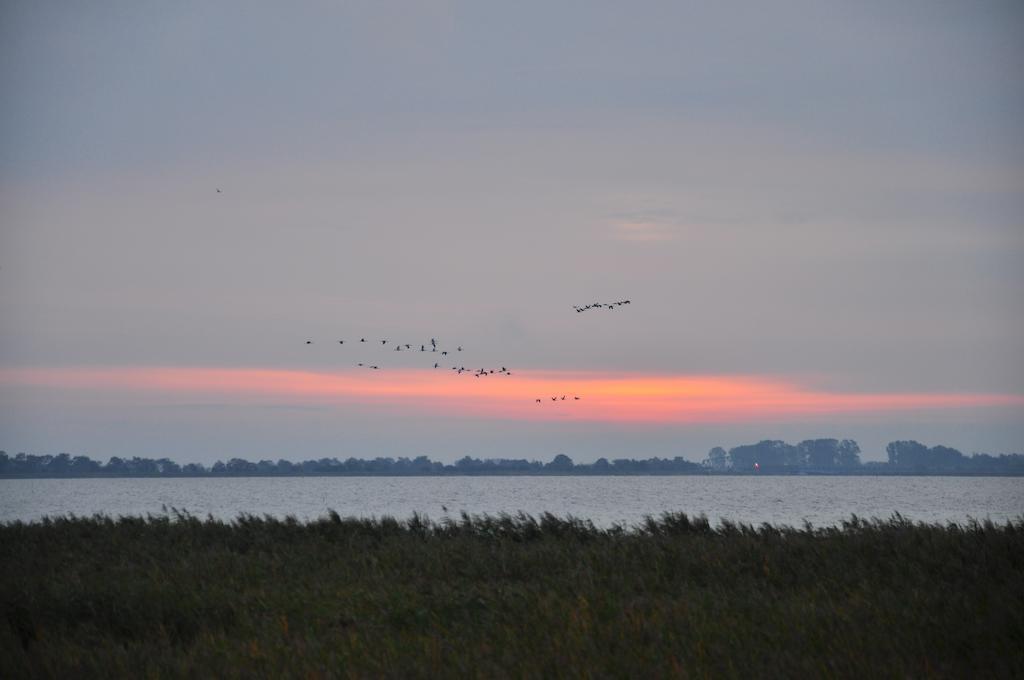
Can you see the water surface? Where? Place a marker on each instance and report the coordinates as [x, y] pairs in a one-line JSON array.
[[778, 500]]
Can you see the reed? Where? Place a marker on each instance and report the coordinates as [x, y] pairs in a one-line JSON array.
[[492, 596]]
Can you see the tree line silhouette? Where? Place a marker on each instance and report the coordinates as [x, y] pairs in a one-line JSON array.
[[811, 456]]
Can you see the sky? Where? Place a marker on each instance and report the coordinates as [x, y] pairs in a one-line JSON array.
[[816, 211]]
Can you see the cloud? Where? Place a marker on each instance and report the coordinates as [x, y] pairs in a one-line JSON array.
[[645, 225], [642, 230], [623, 397]]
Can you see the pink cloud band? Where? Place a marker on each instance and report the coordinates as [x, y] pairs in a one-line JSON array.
[[614, 397]]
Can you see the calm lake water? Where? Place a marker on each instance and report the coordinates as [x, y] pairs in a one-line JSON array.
[[778, 500]]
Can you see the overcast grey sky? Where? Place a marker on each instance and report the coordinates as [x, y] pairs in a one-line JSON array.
[[828, 195]]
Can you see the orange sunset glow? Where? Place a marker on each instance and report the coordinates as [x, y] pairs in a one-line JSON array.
[[613, 397]]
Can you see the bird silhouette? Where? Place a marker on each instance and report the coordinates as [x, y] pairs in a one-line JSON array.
[[341, 342], [459, 348], [383, 342], [309, 342], [576, 398], [362, 339], [435, 365], [538, 401], [599, 305], [219, 191]]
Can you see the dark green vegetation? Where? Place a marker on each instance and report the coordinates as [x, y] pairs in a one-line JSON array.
[[811, 456], [508, 596]]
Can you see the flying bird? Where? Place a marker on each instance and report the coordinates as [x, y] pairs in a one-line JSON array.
[[309, 342], [599, 305]]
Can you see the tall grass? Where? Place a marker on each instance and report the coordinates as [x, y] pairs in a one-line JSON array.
[[522, 596]]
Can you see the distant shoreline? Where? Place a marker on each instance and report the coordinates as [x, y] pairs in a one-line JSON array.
[[769, 473], [812, 457]]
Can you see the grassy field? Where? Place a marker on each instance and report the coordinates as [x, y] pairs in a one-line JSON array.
[[508, 596]]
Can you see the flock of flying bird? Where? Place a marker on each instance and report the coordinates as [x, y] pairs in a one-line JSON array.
[[459, 370], [599, 305], [410, 347], [481, 372]]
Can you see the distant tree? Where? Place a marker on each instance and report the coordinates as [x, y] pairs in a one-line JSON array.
[[622, 466], [680, 464], [639, 466], [382, 465], [60, 464], [907, 454], [423, 465], [767, 453], [945, 458], [560, 463], [848, 454], [115, 466], [354, 465], [601, 466], [142, 466], [468, 465], [83, 465], [166, 466], [820, 453], [718, 459]]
